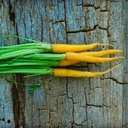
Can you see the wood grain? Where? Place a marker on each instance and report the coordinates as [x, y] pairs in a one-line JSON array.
[[67, 102]]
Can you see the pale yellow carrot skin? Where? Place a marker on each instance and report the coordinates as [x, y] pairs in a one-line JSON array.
[[91, 59], [59, 72], [102, 53], [63, 48]]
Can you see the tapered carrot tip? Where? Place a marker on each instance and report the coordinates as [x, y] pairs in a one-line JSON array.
[[75, 73], [98, 44], [102, 53]]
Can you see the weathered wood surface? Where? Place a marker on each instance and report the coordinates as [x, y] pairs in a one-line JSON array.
[[67, 102]]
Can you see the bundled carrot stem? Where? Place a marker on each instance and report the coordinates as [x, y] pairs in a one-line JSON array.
[[38, 58]]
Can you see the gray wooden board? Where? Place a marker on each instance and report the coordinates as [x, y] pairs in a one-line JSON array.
[[67, 102]]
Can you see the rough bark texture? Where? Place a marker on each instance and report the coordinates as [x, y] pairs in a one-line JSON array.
[[67, 102]]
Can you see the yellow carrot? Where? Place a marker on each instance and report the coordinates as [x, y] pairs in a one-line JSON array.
[[63, 48], [75, 73], [93, 54], [102, 53], [84, 58]]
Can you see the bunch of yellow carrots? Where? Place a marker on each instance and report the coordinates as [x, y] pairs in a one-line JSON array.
[[36, 58]]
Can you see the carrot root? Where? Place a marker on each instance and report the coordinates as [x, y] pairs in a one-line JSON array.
[[63, 48], [75, 73], [93, 54], [84, 58]]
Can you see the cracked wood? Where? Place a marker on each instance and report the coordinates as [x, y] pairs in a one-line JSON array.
[[67, 102]]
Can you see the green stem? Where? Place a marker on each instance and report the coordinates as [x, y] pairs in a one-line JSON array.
[[19, 37], [41, 45], [28, 71], [18, 53], [46, 56], [33, 63]]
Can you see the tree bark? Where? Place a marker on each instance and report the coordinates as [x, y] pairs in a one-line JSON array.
[[67, 102]]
